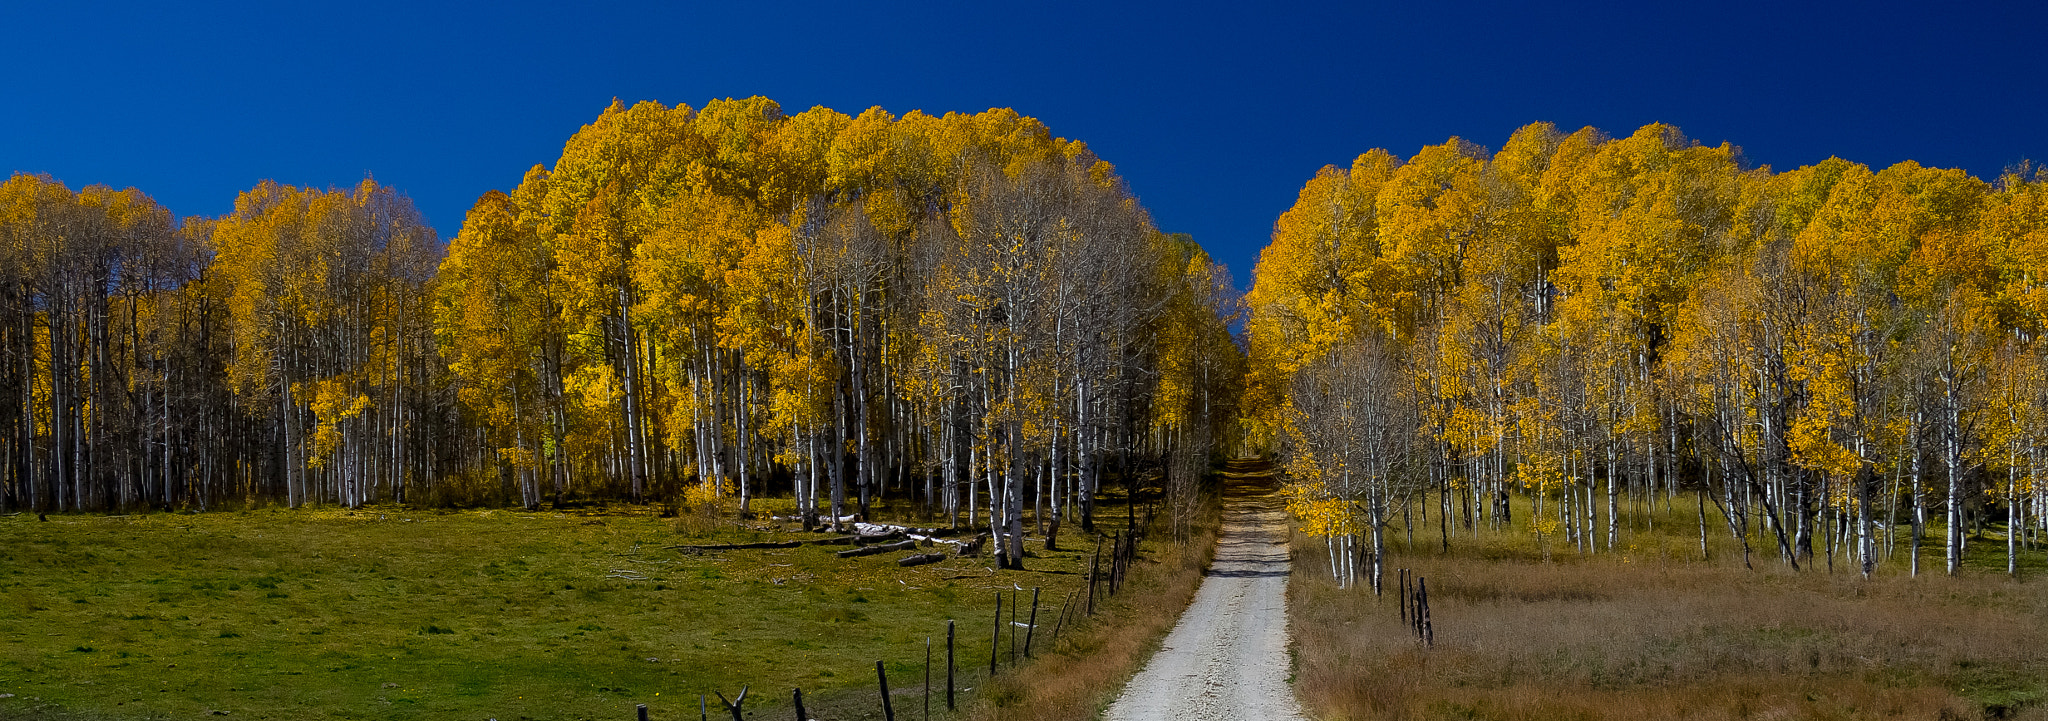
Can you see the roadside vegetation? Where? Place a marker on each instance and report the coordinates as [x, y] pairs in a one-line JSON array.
[[1085, 672], [1654, 631], [1677, 436]]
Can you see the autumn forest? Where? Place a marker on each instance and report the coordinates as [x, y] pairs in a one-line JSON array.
[[979, 316], [1833, 357], [713, 302], [968, 311], [741, 327]]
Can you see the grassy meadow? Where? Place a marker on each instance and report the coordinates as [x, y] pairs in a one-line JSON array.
[[1529, 631], [393, 613]]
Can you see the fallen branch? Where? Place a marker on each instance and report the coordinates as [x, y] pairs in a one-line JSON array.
[[920, 559], [737, 546], [933, 541], [882, 548]]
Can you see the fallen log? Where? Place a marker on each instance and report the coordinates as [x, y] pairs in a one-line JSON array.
[[882, 548], [849, 518], [737, 546], [874, 529], [920, 559], [835, 541], [864, 539]]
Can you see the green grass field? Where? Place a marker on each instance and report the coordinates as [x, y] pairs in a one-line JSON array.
[[390, 613]]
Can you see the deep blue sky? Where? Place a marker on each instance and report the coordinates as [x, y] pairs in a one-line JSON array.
[[1216, 113]]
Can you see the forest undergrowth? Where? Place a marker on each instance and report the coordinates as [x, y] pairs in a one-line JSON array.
[[1528, 632], [392, 612]]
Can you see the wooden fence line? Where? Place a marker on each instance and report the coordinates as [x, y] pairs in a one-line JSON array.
[[1124, 547]]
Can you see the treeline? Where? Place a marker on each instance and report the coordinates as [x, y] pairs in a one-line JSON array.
[[153, 362], [842, 304], [720, 302], [1823, 354]]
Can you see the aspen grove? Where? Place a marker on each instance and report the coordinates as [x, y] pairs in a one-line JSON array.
[[710, 303], [1829, 363]]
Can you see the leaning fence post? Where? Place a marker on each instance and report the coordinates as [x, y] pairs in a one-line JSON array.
[[1062, 623], [888, 710], [1031, 626], [927, 678], [800, 715]]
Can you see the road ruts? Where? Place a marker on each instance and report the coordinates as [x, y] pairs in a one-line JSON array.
[[1227, 657]]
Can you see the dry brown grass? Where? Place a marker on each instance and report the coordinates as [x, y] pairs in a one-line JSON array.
[[1658, 637], [1081, 676]]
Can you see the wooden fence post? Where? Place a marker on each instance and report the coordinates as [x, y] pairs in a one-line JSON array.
[[1404, 597], [800, 715], [1428, 631], [949, 664], [1414, 601], [1031, 626], [995, 642], [643, 712], [888, 709], [734, 704], [1116, 555], [1013, 629], [1123, 573], [1093, 568], [927, 678]]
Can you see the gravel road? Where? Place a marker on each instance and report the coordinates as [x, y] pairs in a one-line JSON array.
[[1227, 658]]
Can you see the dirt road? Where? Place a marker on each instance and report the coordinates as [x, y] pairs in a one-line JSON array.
[[1227, 658]]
